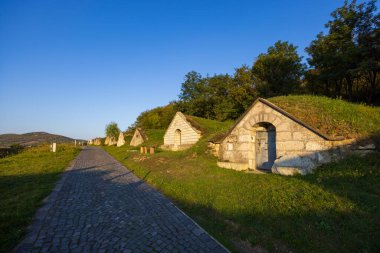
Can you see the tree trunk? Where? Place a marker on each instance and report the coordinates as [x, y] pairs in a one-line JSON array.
[[372, 89], [349, 87], [338, 87], [327, 93]]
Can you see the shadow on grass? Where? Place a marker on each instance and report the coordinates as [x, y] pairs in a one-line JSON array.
[[20, 196], [300, 230]]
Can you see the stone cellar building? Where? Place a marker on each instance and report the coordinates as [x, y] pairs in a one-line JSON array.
[[120, 140], [139, 137], [182, 133], [268, 138]]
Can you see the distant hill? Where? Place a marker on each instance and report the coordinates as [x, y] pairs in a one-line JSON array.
[[32, 139]]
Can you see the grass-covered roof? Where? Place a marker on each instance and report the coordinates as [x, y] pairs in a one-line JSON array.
[[332, 117]]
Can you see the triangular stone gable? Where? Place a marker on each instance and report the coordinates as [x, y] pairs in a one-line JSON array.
[[120, 140], [181, 116], [138, 137], [269, 113]]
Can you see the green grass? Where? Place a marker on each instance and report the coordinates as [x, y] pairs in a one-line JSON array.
[[155, 137], [25, 180], [336, 209], [333, 117]]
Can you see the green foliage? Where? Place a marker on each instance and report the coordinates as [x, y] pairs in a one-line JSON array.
[[279, 71], [25, 180], [155, 137], [112, 130], [157, 118], [346, 60], [12, 150], [219, 97]]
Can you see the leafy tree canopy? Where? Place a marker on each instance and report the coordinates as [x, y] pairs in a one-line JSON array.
[[112, 130], [279, 71]]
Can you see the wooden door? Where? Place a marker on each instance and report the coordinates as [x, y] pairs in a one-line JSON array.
[[177, 137], [265, 148]]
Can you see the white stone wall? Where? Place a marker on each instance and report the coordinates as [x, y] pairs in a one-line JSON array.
[[137, 139], [189, 135], [120, 140]]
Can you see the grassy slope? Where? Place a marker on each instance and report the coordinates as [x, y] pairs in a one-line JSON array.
[[26, 179], [333, 117], [155, 137], [336, 209]]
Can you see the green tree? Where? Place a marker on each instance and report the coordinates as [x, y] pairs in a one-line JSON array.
[[368, 40], [346, 58], [219, 97], [112, 130], [279, 71], [194, 97], [156, 118], [243, 91]]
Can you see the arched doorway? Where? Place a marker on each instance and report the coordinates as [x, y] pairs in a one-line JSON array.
[[177, 137], [265, 145]]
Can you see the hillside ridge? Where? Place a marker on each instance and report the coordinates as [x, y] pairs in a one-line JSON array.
[[32, 138]]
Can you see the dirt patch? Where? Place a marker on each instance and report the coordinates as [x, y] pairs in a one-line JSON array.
[[161, 160], [247, 247], [140, 158]]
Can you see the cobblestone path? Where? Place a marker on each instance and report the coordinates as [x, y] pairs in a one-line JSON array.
[[100, 206]]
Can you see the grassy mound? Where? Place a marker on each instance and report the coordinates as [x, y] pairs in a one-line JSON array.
[[208, 127], [333, 117], [155, 137]]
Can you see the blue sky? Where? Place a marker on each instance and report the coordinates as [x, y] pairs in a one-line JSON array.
[[70, 67]]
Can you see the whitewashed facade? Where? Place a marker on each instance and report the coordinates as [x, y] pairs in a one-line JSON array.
[[181, 134]]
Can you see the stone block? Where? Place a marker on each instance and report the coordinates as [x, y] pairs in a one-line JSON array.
[[277, 121], [256, 119], [233, 166], [283, 136], [290, 145], [323, 157], [370, 146], [252, 121], [287, 171], [283, 127], [244, 138], [268, 110], [299, 136], [243, 146], [316, 146], [304, 163]]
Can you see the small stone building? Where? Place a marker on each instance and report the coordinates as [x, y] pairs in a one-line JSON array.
[[97, 141], [139, 137], [182, 133], [268, 138], [110, 141], [107, 140], [120, 140]]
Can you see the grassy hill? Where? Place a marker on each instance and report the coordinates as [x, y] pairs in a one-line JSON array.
[[336, 209], [32, 139], [208, 127]]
